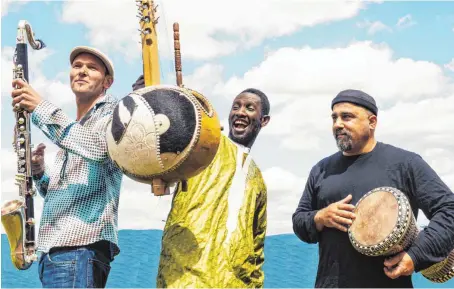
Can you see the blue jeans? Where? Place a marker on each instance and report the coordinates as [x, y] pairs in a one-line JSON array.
[[74, 268]]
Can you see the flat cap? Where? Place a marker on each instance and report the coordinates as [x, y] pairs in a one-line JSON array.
[[85, 49]]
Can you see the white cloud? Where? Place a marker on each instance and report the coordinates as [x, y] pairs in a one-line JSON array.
[[374, 27], [300, 95], [5, 4], [110, 30], [203, 35], [284, 193], [279, 179], [419, 126], [450, 65], [12, 5], [405, 21], [204, 78], [139, 208]]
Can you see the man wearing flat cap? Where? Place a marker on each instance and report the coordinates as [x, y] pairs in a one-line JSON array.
[[338, 181], [78, 233]]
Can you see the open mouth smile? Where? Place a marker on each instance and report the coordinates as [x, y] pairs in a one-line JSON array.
[[240, 124]]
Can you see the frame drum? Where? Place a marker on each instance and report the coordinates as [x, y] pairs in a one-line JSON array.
[[385, 225]]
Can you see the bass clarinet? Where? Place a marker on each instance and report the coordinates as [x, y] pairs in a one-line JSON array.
[[18, 215]]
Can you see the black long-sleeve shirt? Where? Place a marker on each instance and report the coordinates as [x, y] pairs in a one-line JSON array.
[[337, 176]]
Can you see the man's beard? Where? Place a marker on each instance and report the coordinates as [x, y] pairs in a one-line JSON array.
[[345, 143]]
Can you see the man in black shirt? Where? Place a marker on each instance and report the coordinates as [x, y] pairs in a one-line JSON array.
[[340, 180]]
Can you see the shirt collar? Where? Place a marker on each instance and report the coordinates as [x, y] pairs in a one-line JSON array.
[[107, 98], [104, 99], [242, 147]]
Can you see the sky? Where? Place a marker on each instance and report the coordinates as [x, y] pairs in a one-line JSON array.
[[300, 53]]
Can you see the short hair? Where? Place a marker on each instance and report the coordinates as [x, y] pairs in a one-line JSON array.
[[263, 99]]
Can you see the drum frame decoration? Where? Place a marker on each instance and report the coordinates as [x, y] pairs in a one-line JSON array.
[[402, 236]]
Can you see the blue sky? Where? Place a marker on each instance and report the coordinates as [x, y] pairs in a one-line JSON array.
[[433, 33], [300, 53]]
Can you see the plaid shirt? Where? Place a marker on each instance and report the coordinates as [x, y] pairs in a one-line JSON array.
[[81, 190]]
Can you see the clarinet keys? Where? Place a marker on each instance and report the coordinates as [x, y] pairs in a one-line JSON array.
[[20, 179], [17, 107], [22, 153]]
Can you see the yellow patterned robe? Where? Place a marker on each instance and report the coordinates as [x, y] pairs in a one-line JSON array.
[[206, 242]]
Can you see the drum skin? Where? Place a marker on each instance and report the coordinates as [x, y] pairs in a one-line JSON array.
[[385, 225], [164, 132]]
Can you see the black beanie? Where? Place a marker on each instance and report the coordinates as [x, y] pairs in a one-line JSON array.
[[356, 97]]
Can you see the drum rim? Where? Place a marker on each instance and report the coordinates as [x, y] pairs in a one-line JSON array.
[[403, 222], [435, 272]]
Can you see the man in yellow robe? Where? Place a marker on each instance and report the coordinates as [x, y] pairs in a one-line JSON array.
[[215, 231]]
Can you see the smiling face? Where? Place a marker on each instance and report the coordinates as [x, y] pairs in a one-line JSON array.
[[88, 77], [245, 119], [353, 127]]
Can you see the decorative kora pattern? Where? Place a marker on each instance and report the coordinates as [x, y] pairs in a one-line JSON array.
[[385, 225], [163, 132]]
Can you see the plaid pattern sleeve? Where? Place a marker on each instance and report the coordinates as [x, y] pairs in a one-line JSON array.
[[81, 189]]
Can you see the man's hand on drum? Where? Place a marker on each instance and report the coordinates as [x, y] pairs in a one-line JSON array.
[[403, 263], [336, 215]]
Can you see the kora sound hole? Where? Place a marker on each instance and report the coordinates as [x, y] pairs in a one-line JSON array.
[[181, 114]]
